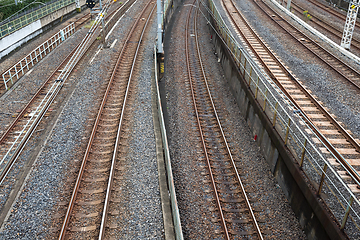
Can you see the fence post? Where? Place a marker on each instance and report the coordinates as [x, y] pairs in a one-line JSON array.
[[250, 76], [322, 179], [347, 213], [275, 113], [303, 154], [27, 64], [240, 54], [10, 77], [287, 131], [244, 67], [257, 87], [265, 98]]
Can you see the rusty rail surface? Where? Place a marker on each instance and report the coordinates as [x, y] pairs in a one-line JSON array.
[[287, 83], [326, 26], [114, 98], [320, 171], [206, 105], [31, 115]]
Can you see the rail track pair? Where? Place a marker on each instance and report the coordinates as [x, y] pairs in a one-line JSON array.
[[340, 142], [88, 213], [234, 212], [20, 131]]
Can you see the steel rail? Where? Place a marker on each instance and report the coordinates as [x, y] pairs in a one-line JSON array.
[[202, 136], [354, 175], [222, 218], [8, 130], [317, 46], [247, 201], [108, 191], [40, 110], [70, 62], [22, 66], [91, 139], [326, 26], [81, 21], [333, 121], [332, 11]]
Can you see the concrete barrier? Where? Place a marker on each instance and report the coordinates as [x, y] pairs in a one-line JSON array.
[[325, 40], [12, 41]]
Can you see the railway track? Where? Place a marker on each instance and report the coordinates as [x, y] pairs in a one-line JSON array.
[[90, 212], [81, 21], [15, 137], [327, 27], [234, 212], [19, 69], [333, 12], [21, 129], [348, 73], [341, 144]]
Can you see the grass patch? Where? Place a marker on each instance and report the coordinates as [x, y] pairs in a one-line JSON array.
[[91, 23]]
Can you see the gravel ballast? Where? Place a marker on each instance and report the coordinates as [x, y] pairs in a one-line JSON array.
[[189, 165], [42, 202], [336, 94]]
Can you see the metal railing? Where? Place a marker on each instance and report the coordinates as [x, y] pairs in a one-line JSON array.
[[21, 67], [25, 20], [294, 131]]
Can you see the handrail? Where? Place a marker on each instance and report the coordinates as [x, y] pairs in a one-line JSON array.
[[291, 127], [25, 20]]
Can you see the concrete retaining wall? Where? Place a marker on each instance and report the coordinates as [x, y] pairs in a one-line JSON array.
[[317, 35], [23, 35], [313, 216], [174, 5], [12, 41]]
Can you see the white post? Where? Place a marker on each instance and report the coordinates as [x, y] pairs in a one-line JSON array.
[[159, 29], [77, 5], [288, 4], [350, 24]]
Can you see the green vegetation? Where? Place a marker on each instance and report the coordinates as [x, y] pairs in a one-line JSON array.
[[307, 16], [8, 7], [91, 23]]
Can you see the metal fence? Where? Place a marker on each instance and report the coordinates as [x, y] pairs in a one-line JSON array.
[[25, 20], [294, 131], [21, 67]]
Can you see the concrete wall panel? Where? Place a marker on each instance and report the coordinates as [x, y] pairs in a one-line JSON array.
[[12, 41], [23, 35]]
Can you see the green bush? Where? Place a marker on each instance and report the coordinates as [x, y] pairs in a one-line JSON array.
[[8, 7], [307, 16]]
